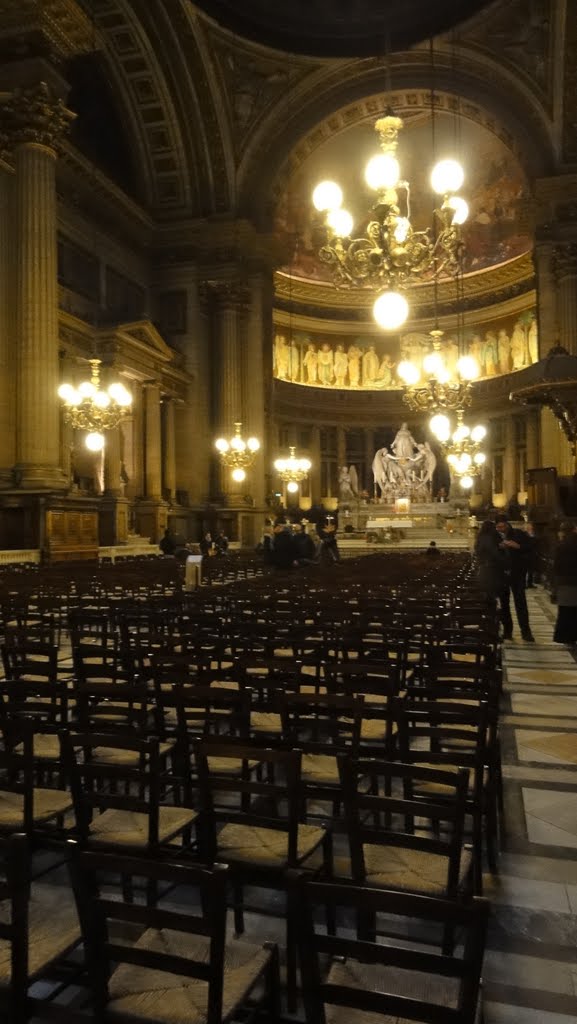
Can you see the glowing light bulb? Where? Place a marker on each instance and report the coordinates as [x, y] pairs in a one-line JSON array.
[[238, 475], [94, 441], [480, 459], [341, 222], [440, 426], [101, 400], [327, 196], [119, 394], [468, 368], [253, 444], [382, 172], [478, 433], [86, 389], [66, 392], [408, 372], [390, 310], [237, 444], [221, 445], [433, 364], [447, 176], [292, 487], [460, 208], [466, 482]]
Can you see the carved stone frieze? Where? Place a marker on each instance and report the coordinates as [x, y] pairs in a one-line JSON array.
[[224, 294], [34, 115]]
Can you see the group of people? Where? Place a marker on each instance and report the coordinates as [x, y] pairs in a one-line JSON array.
[[506, 557], [171, 544], [286, 548]]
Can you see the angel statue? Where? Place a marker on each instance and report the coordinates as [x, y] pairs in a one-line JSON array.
[[348, 483]]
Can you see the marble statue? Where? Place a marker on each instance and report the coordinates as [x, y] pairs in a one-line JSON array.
[[311, 364], [348, 483], [371, 365], [341, 366], [533, 342], [326, 364], [405, 471], [504, 351], [518, 347], [354, 357]]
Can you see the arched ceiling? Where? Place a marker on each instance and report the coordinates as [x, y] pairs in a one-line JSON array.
[[340, 28]]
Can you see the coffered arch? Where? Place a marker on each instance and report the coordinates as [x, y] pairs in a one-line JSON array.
[[156, 64]]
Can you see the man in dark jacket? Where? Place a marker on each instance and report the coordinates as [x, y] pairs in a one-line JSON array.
[[517, 546]]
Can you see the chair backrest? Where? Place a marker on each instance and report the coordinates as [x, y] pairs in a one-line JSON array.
[[395, 979], [102, 917], [17, 767], [267, 798], [324, 723], [94, 782], [31, 659], [385, 806]]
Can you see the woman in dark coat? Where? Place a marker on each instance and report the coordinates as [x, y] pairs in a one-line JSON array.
[[491, 560], [565, 582]]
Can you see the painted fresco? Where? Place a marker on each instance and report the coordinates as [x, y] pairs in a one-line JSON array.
[[495, 188], [368, 362]]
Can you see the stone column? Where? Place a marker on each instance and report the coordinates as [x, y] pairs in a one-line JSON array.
[[510, 484], [38, 120], [112, 481], [228, 384], [341, 447], [368, 482], [316, 465], [7, 311], [135, 486], [532, 434], [254, 388], [566, 270], [169, 447], [547, 314], [152, 443]]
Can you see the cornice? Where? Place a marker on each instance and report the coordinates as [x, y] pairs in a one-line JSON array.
[[494, 285], [60, 25]]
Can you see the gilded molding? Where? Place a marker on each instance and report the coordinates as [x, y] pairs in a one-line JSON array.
[[62, 24]]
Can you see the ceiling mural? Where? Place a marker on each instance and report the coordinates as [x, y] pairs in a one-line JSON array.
[[496, 189], [362, 362]]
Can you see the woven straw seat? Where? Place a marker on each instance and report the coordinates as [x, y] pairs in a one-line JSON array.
[[48, 804], [44, 746], [53, 929], [419, 871], [375, 729], [265, 721], [321, 768], [228, 766], [264, 847], [164, 998], [130, 828], [380, 978], [116, 755]]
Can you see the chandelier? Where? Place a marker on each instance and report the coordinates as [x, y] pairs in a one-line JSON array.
[[462, 446], [444, 388], [237, 454], [88, 407], [292, 470], [392, 253]]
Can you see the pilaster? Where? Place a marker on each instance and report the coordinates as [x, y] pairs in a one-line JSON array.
[[7, 324], [168, 449], [152, 442], [566, 272]]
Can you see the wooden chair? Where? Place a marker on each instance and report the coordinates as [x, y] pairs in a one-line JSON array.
[[170, 962], [352, 981], [398, 841], [38, 927], [36, 811], [253, 823], [117, 795]]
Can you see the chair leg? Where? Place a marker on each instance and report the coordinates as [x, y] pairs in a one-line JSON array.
[[272, 986], [238, 898], [291, 960]]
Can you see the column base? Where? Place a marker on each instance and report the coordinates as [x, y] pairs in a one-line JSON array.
[[151, 519], [113, 521], [29, 476]]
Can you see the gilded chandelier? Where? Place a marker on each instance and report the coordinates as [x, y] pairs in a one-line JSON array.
[[462, 447], [292, 470], [90, 408], [392, 253], [237, 454], [443, 388]]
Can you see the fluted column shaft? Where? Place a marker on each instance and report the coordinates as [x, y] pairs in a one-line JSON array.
[[532, 428], [112, 481], [169, 447], [566, 265], [510, 485], [7, 309], [229, 373], [152, 442], [341, 447], [38, 438], [254, 389], [546, 296], [316, 467]]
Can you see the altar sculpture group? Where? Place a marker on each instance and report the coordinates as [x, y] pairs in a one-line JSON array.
[[357, 366], [404, 471]]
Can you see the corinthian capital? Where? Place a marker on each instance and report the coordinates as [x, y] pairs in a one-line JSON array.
[[35, 115]]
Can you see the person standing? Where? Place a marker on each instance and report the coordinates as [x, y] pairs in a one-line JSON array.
[[168, 543], [492, 564], [531, 556], [516, 545], [565, 581], [221, 543]]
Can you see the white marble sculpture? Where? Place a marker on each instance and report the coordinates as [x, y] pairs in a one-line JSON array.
[[405, 471]]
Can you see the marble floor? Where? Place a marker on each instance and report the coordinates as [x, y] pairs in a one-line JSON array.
[[531, 961]]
